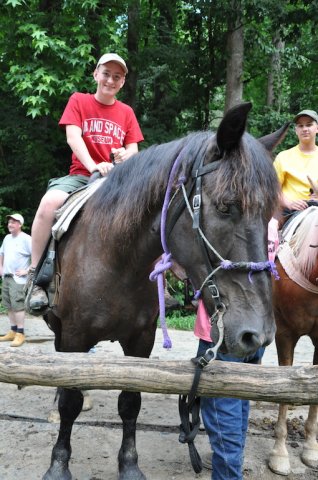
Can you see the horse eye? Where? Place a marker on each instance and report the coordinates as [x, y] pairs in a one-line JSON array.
[[223, 208]]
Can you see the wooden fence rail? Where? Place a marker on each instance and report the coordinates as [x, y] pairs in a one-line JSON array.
[[293, 385]]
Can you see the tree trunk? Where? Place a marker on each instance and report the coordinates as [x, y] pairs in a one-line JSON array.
[[235, 56], [132, 47], [274, 77]]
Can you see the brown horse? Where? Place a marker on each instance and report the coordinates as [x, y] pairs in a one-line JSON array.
[[295, 298], [106, 257]]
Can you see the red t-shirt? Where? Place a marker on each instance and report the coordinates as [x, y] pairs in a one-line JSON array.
[[103, 127]]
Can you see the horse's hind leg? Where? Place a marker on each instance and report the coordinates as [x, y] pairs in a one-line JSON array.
[[309, 454], [128, 408], [70, 406]]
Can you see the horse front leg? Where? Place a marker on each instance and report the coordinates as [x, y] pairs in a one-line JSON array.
[[129, 404], [278, 458], [309, 455], [70, 405]]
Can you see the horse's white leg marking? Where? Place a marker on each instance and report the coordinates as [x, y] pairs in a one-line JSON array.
[[309, 454], [278, 459]]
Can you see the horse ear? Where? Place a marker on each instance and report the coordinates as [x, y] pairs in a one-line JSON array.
[[273, 139], [232, 127]]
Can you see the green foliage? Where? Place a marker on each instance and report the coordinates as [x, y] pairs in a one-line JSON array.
[[177, 73], [4, 211]]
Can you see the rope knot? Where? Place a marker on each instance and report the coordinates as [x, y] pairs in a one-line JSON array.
[[161, 266]]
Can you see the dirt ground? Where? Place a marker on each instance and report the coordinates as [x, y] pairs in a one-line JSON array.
[[27, 437]]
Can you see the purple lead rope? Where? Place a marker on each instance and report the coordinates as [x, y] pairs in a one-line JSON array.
[[165, 262]]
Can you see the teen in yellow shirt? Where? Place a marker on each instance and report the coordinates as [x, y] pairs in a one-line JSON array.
[[294, 165]]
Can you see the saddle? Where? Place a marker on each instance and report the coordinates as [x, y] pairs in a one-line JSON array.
[[47, 274]]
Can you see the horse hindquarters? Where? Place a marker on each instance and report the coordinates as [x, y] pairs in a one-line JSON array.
[[70, 406]]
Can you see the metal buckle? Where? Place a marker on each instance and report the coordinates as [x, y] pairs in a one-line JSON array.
[[196, 202], [214, 290], [203, 362]]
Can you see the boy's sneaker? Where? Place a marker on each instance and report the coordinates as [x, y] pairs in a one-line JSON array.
[[38, 298]]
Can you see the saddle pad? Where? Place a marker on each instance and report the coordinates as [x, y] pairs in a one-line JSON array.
[[72, 205], [291, 227], [289, 264]]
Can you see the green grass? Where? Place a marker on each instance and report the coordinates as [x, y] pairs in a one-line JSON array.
[[180, 320]]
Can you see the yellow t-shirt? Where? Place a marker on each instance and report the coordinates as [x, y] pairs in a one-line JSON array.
[[292, 167]]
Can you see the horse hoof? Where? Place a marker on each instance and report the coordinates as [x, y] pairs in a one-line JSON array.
[[279, 464], [131, 473], [57, 475], [309, 457], [53, 416], [87, 402]]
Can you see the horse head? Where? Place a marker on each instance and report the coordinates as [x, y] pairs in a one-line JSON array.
[[232, 191]]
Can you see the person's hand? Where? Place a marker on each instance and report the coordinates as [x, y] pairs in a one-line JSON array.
[[104, 168], [314, 197], [296, 204], [21, 272], [120, 154]]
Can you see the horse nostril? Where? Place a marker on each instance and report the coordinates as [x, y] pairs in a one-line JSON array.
[[250, 341]]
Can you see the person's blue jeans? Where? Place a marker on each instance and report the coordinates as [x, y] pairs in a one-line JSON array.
[[226, 422]]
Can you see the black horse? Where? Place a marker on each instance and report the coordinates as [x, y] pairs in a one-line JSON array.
[[106, 257]]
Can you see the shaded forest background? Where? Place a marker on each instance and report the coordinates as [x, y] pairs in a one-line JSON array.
[[188, 62]]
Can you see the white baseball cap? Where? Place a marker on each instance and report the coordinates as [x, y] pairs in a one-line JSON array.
[[17, 216], [112, 57]]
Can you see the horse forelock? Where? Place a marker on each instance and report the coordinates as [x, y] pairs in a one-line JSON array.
[[246, 175], [304, 243]]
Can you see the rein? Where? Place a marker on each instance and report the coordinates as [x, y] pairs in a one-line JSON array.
[[189, 405]]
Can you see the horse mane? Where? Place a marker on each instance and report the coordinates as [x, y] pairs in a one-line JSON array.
[[304, 243], [135, 188]]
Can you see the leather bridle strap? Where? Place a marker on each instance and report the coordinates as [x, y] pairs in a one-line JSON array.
[[189, 405], [196, 205]]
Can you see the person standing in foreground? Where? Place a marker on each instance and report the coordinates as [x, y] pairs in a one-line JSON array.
[[226, 419], [15, 255], [100, 131], [295, 165]]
